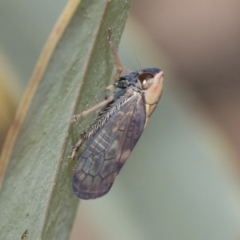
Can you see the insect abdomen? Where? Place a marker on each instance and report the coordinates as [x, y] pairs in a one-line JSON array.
[[106, 152]]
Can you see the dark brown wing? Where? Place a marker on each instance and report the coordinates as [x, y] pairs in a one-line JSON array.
[[107, 151]]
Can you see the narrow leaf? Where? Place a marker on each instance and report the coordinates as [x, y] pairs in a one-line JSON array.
[[36, 199]]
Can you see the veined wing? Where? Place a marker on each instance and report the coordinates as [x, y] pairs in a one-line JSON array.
[[107, 151]]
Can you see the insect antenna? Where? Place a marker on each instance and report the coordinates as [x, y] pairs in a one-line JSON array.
[[138, 62]]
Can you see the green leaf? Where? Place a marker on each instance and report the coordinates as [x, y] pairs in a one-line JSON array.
[[36, 198]]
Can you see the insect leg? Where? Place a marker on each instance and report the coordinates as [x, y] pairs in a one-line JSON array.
[[76, 117], [75, 148], [117, 62]]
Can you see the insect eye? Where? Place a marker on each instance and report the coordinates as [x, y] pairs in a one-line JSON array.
[[144, 79]]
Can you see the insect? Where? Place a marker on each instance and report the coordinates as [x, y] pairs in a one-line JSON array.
[[115, 132]]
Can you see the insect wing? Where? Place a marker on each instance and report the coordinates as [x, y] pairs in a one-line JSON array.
[[107, 151]]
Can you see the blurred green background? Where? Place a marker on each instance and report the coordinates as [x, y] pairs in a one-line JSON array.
[[182, 180]]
